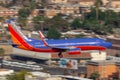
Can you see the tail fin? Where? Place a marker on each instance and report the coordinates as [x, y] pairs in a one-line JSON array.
[[17, 36], [43, 38], [11, 29], [17, 29]]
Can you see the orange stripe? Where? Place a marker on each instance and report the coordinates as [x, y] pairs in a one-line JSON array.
[[15, 41]]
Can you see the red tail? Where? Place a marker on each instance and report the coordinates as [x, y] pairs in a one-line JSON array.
[[18, 38]]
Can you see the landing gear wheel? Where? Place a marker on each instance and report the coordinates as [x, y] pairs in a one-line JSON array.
[[60, 55]]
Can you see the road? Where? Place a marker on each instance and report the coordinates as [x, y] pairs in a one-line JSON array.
[[51, 70]]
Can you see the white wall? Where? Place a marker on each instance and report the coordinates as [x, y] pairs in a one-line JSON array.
[[98, 55]]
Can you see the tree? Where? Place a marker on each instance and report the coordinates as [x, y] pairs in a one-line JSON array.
[[17, 76], [9, 17], [2, 51], [80, 36], [38, 22], [8, 36], [32, 5], [58, 22], [14, 1], [97, 4], [94, 75], [76, 23], [92, 14], [112, 19], [23, 14], [97, 26], [38, 18], [53, 33], [22, 21], [11, 77]]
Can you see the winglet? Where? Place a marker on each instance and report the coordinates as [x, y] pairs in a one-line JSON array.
[[43, 38]]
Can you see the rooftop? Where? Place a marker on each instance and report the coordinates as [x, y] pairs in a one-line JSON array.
[[4, 72], [103, 62], [66, 55]]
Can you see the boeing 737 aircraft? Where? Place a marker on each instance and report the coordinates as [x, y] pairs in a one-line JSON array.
[[72, 46]]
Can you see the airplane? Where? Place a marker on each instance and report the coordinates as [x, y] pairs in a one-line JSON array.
[[71, 46]]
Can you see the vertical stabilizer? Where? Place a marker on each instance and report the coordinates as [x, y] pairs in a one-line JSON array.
[[18, 38]]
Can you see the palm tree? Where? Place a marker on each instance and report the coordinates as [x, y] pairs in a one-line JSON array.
[[53, 33], [95, 75], [97, 4]]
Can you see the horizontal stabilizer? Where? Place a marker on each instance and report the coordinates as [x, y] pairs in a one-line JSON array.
[[42, 37]]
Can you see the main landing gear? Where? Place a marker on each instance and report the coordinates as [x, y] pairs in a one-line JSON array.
[[60, 54]]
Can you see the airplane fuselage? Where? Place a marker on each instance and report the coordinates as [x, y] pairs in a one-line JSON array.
[[74, 45], [82, 43]]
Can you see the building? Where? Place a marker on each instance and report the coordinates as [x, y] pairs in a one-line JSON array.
[[76, 7], [73, 1], [118, 69], [46, 76], [115, 49], [6, 47], [57, 1], [2, 31], [5, 1], [65, 9], [87, 55], [4, 73], [107, 69], [41, 76], [113, 58], [35, 12], [69, 9], [115, 3], [38, 1], [105, 2], [4, 12], [85, 3], [50, 13], [73, 77]]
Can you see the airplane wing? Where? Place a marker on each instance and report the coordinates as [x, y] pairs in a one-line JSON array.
[[61, 47], [70, 50]]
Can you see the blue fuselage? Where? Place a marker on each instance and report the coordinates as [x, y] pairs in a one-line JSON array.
[[71, 42]]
